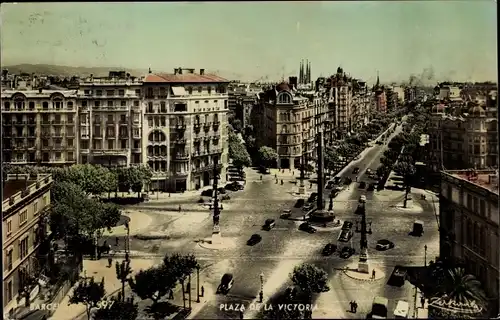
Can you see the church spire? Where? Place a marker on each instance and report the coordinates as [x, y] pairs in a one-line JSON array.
[[378, 80], [301, 72]]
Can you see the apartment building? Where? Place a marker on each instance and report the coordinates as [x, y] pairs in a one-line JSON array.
[[469, 221], [288, 121], [463, 137], [25, 204], [39, 127], [185, 128], [110, 120]]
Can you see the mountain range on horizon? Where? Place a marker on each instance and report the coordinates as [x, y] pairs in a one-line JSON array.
[[69, 71]]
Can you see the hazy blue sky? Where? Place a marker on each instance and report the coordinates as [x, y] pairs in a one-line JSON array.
[[454, 39]]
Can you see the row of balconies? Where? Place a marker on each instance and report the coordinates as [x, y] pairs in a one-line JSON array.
[[198, 139], [58, 134]]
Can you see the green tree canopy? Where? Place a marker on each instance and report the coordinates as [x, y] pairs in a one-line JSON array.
[[153, 283], [89, 293], [267, 156], [238, 152], [310, 279]]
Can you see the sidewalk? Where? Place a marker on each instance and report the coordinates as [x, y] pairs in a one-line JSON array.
[[139, 221], [99, 269]]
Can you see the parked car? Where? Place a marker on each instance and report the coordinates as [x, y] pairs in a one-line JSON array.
[[384, 244], [345, 235], [329, 184], [254, 239], [312, 197], [286, 214], [221, 190], [347, 181], [379, 142], [207, 193], [362, 185], [269, 224], [329, 249], [299, 203], [369, 171], [347, 225], [371, 187], [337, 180], [225, 197], [347, 252], [308, 206], [307, 227], [355, 170], [226, 283]]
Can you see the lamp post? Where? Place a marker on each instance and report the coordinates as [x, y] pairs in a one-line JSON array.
[[261, 293], [127, 243], [425, 256], [198, 284]]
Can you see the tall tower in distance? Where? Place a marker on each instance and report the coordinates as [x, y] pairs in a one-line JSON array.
[[309, 73], [301, 72], [306, 80]]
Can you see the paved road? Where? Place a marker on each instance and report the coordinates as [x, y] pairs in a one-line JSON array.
[[285, 246]]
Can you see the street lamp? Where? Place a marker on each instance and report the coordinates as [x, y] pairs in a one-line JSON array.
[[127, 244], [198, 283], [261, 293], [425, 256]]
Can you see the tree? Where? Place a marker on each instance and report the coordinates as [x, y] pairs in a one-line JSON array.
[[182, 267], [118, 310], [89, 293], [92, 179], [153, 283], [238, 152], [310, 279], [331, 158], [267, 156], [237, 126], [407, 171], [123, 271], [382, 171]]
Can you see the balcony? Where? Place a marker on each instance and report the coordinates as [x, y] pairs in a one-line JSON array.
[[215, 151], [181, 126], [181, 174], [84, 135], [58, 135], [31, 123], [110, 123], [124, 123], [206, 126], [58, 123], [207, 138], [181, 156], [180, 141], [197, 139], [70, 134], [196, 127], [45, 122]]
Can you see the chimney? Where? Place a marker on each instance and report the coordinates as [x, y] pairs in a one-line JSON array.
[[179, 70], [202, 71], [176, 71], [149, 70], [91, 77]]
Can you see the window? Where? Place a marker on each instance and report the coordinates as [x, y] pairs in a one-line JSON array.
[[111, 144], [110, 103], [121, 93], [70, 104], [209, 89], [35, 208], [31, 105], [163, 106], [70, 142], [45, 201], [45, 105], [23, 217], [110, 118], [23, 248], [137, 92], [200, 89], [123, 103], [9, 260], [469, 202], [124, 144], [136, 103], [58, 156], [70, 156], [150, 107], [7, 105], [98, 93], [10, 291], [97, 103], [110, 93], [190, 90], [9, 228]]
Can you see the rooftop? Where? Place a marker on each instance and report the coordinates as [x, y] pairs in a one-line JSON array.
[[11, 187], [486, 179], [184, 78]]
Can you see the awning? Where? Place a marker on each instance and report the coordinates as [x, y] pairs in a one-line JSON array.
[[178, 91]]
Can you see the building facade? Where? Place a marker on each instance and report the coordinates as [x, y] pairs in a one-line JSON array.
[[469, 221], [110, 120], [40, 127], [460, 140], [25, 205], [185, 128]]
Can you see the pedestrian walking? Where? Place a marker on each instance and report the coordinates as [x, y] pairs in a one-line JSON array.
[[275, 176], [373, 274], [109, 248], [105, 244], [281, 181], [188, 287], [260, 177], [351, 306], [422, 301], [276, 181], [202, 291], [241, 314], [116, 242], [355, 306], [171, 295], [180, 208], [110, 262]]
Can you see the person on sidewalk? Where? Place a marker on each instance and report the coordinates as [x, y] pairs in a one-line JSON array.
[[116, 242], [188, 287], [373, 274], [351, 306], [110, 262], [171, 295], [180, 208], [202, 291], [281, 181], [355, 306], [422, 301], [241, 314]]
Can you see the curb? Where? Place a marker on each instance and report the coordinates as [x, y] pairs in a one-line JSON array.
[[365, 280]]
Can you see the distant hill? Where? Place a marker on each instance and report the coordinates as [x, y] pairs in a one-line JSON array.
[[65, 71]]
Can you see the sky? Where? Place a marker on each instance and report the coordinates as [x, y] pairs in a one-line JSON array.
[[435, 40]]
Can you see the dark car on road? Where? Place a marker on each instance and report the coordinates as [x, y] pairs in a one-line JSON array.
[[308, 206], [337, 180], [362, 185], [221, 190], [299, 203], [345, 235], [312, 197], [330, 184], [207, 193], [347, 252], [226, 283], [347, 225], [347, 181], [269, 224], [254, 239], [329, 249], [355, 170], [371, 187], [307, 228], [384, 244]]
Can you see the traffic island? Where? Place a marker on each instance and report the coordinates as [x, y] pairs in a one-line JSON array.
[[221, 243], [352, 272]]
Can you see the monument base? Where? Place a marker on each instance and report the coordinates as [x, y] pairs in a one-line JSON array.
[[363, 267], [322, 216], [216, 238], [302, 190]]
